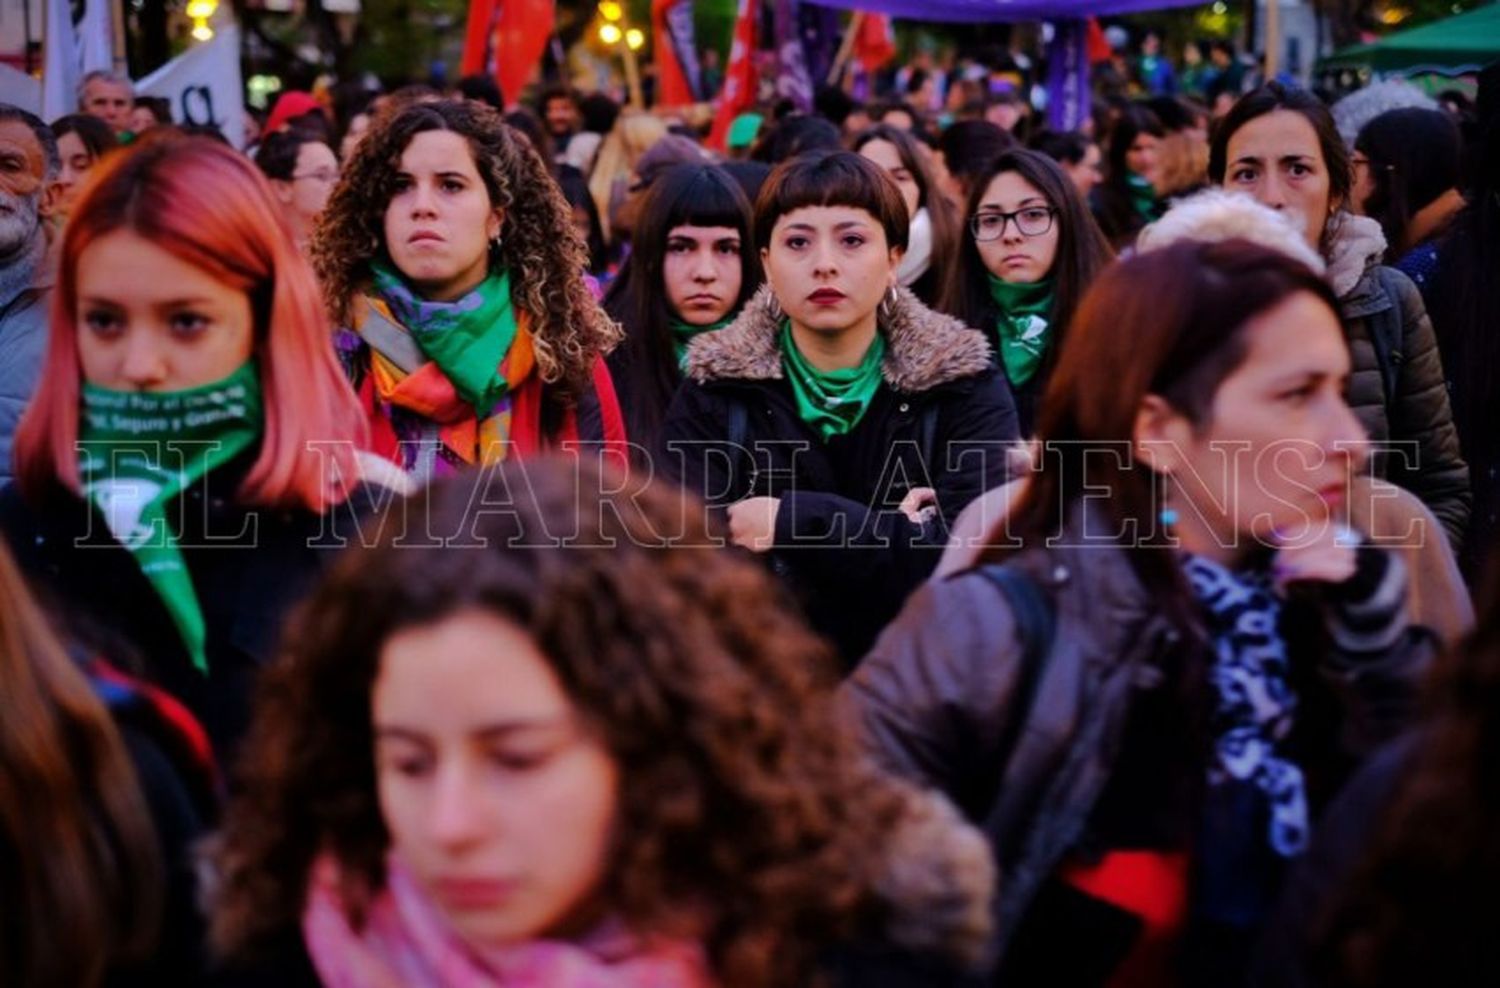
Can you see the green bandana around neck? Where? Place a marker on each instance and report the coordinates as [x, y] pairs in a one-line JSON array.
[[1023, 328], [1143, 198], [468, 339], [139, 450], [832, 402], [684, 333]]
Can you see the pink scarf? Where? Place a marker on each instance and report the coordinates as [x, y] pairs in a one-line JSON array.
[[406, 943]]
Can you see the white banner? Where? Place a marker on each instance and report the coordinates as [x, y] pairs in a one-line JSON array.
[[203, 85], [73, 51], [19, 89]]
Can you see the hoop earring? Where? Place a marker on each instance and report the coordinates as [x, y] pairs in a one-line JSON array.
[[773, 307], [888, 304], [495, 242]]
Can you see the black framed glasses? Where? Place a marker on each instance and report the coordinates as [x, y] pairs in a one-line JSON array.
[[1033, 221]]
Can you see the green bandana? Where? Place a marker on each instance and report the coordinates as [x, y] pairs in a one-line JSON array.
[[1143, 197], [139, 450], [684, 333], [832, 402], [1023, 329], [467, 339]]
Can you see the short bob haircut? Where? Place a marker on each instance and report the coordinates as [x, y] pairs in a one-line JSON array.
[[831, 178], [204, 203], [686, 195], [1168, 323], [747, 813], [1275, 96]]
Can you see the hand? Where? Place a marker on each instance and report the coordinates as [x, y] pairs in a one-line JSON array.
[[752, 523], [1327, 557], [919, 504]]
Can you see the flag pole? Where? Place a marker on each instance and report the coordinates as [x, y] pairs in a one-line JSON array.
[[846, 46], [120, 61]]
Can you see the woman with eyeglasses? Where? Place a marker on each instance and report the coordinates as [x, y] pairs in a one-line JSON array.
[[1031, 252], [841, 424], [303, 171]]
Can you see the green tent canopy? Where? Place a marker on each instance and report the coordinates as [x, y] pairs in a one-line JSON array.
[[1453, 46]]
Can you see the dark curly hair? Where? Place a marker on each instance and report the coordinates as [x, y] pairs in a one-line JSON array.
[[747, 821], [540, 243]]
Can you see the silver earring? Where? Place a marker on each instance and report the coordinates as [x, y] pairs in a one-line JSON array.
[[888, 304], [495, 243], [773, 307]]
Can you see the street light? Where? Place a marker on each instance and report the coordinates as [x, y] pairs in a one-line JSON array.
[[200, 11], [612, 32]]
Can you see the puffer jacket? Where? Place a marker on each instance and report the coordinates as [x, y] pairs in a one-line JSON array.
[[942, 418], [1430, 464], [934, 700]]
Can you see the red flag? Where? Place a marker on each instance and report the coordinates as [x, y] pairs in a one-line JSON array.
[[875, 42], [506, 38], [676, 54], [739, 81], [1097, 44]]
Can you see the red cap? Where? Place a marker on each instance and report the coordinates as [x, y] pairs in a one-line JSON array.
[[292, 104]]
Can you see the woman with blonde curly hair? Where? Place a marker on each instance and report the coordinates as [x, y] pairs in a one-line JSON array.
[[615, 762], [451, 259]]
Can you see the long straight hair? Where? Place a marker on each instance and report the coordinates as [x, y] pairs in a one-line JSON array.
[[209, 206], [947, 226], [686, 195], [1082, 251], [82, 876], [1116, 213]]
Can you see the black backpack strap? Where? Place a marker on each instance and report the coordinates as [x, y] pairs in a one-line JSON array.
[[1036, 627], [927, 424]]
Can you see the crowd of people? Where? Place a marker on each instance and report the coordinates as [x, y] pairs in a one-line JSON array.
[[446, 546]]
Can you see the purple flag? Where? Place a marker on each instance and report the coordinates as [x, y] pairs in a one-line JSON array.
[[1068, 91]]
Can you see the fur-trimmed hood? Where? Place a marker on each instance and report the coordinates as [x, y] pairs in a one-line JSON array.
[[1358, 245], [938, 878], [923, 348]]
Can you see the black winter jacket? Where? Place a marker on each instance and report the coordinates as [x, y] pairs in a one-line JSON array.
[[943, 418], [249, 567]]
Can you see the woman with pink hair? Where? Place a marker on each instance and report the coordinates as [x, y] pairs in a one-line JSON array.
[[192, 439]]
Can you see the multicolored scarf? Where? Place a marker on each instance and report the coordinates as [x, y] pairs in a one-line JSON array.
[[1023, 328], [140, 449], [684, 333], [1256, 705], [832, 402], [406, 942], [468, 358]]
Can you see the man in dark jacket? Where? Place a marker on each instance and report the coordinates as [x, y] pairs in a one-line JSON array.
[[29, 167]]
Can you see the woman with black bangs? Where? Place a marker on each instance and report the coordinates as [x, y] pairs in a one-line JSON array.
[[839, 422], [691, 270]]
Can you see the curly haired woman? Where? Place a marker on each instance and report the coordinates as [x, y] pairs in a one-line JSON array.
[[451, 258], [509, 764]]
